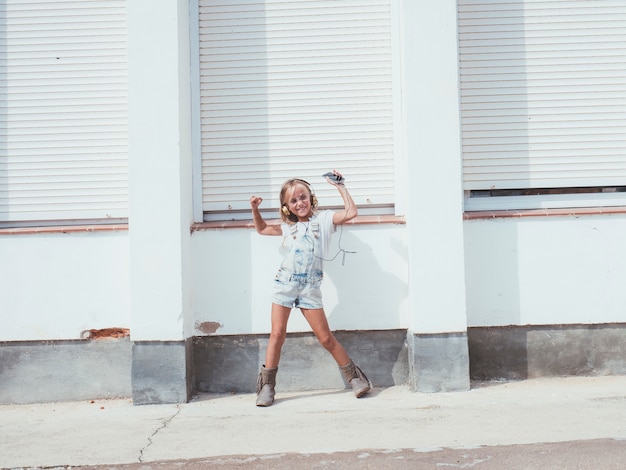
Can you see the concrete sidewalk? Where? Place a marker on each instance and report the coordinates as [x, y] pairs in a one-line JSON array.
[[387, 423]]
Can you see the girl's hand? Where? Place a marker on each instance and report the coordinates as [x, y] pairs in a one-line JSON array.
[[255, 201], [334, 183]]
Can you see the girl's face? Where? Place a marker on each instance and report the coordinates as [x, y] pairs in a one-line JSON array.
[[299, 202]]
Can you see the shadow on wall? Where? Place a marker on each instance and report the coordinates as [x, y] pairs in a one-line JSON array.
[[365, 291], [369, 298]]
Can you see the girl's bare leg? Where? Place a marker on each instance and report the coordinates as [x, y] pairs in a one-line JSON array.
[[280, 315], [319, 324]]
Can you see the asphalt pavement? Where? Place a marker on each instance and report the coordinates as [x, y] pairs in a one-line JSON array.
[[547, 423]]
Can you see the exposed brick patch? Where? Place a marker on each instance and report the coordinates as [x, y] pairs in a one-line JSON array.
[[105, 333], [208, 327]]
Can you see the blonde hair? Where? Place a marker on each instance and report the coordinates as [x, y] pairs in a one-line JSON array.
[[285, 214]]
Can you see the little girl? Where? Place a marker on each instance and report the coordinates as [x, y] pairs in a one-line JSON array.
[[297, 283]]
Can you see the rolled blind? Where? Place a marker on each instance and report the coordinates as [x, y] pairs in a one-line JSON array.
[[295, 89], [63, 110], [543, 93]]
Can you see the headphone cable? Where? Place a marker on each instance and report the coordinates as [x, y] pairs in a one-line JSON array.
[[341, 250]]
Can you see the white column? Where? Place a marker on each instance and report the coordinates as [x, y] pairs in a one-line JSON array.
[[160, 197], [438, 326]]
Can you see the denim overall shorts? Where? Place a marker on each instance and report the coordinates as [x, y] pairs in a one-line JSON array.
[[297, 283]]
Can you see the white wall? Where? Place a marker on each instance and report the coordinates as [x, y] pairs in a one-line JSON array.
[[548, 270], [234, 269], [56, 286]]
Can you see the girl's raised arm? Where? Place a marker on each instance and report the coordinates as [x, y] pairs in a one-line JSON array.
[[350, 211], [260, 225]]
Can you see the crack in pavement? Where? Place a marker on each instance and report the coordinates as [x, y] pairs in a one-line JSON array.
[[157, 430]]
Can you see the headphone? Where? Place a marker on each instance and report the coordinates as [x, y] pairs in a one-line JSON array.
[[313, 200]]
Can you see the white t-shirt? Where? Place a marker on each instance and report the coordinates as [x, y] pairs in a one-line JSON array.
[[318, 231]]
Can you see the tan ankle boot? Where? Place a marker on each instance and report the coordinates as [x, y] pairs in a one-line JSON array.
[[265, 386], [355, 377]]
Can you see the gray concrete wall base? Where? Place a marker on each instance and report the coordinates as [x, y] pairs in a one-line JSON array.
[[439, 362], [231, 363], [171, 372], [162, 372], [521, 352], [70, 370]]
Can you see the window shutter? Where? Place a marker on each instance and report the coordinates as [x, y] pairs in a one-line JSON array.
[[295, 89], [63, 125], [543, 93]]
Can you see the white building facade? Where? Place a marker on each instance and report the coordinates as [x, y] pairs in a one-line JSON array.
[[484, 144]]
